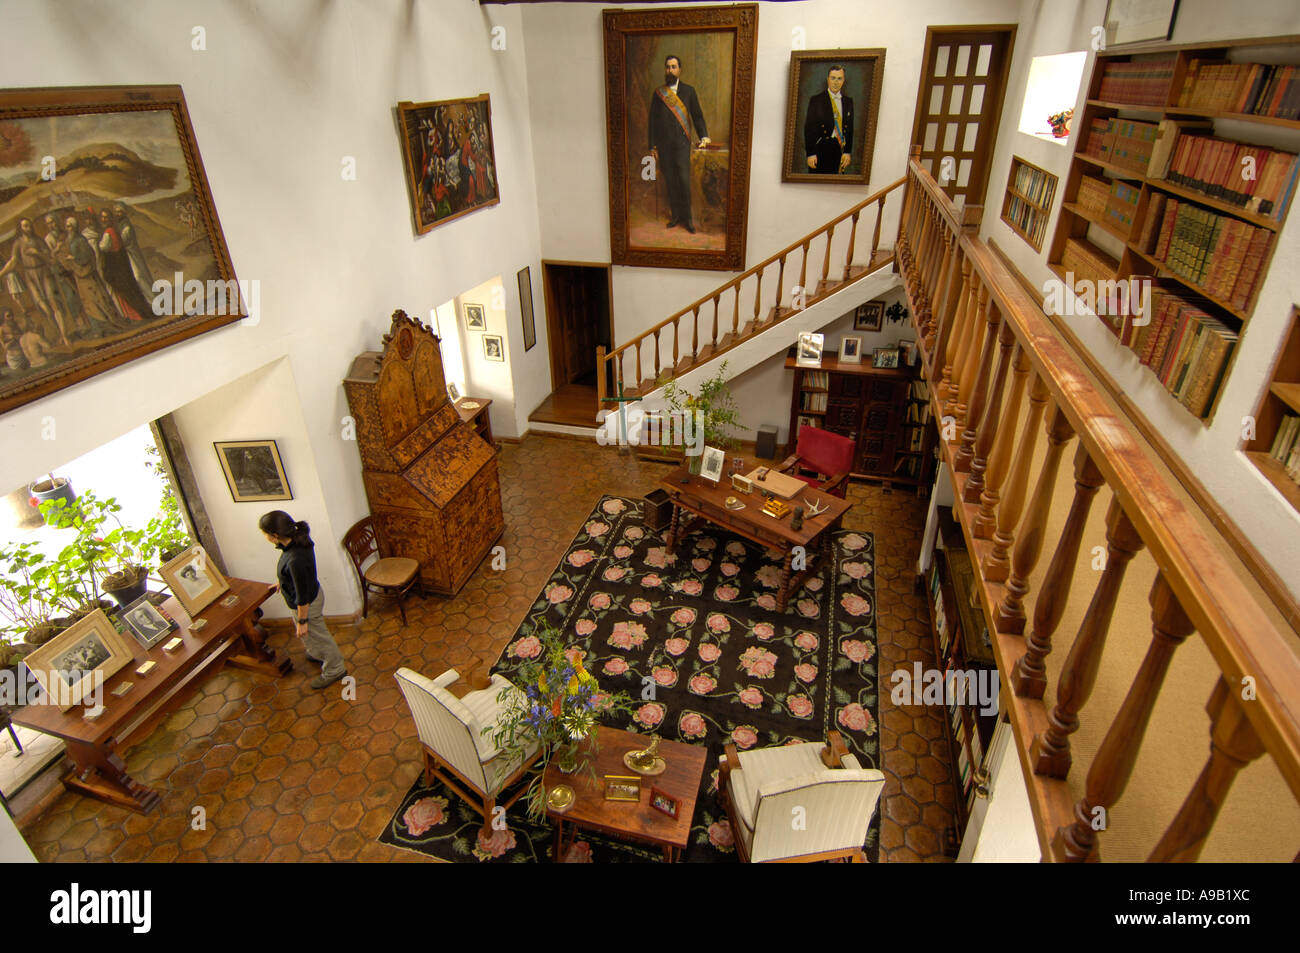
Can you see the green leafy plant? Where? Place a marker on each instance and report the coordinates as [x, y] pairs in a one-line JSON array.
[[100, 552], [715, 404], [27, 597], [165, 533], [559, 705]]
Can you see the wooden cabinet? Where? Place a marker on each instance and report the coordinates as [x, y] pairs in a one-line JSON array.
[[430, 478], [870, 406]]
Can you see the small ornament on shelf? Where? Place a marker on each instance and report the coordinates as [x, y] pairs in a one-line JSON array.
[[1060, 123]]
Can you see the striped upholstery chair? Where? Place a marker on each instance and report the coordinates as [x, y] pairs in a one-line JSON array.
[[785, 804], [456, 750]]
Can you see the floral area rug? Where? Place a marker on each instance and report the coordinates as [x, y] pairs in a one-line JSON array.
[[696, 639]]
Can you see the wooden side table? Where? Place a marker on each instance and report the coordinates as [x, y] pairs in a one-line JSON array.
[[477, 416]]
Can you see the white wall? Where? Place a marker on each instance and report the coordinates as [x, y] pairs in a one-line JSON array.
[[283, 92], [484, 378], [1269, 521], [567, 108]]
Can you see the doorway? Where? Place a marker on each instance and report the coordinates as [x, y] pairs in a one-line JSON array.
[[959, 105], [579, 318]]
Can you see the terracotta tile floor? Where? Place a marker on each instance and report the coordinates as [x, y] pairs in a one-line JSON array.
[[283, 773]]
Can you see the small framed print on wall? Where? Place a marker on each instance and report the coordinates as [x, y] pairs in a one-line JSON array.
[[869, 316], [253, 470], [474, 318], [493, 349]]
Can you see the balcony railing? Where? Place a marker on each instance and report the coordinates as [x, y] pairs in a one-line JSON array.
[[986, 346]]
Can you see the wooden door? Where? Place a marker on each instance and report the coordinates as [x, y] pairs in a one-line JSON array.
[[959, 105], [578, 319]]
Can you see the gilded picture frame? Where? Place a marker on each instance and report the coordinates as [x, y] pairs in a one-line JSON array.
[[705, 184], [254, 471], [194, 580], [75, 664], [449, 156], [810, 125], [122, 164]]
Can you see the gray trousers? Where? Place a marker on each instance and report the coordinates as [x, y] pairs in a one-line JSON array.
[[319, 643]]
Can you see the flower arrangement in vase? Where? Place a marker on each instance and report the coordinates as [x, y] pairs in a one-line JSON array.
[[1060, 123], [559, 705]]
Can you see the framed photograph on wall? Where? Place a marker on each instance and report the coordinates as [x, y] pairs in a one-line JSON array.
[[493, 348], [449, 159], [194, 580], [679, 103], [105, 189], [830, 126], [525, 280], [253, 470], [1139, 21], [474, 318], [869, 316], [851, 349], [74, 665]]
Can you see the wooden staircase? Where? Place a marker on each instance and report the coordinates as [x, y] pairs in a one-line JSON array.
[[646, 363]]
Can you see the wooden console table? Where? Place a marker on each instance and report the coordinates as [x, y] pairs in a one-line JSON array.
[[477, 417], [705, 501], [94, 746]]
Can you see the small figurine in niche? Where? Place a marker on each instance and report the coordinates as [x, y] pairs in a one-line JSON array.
[[796, 521]]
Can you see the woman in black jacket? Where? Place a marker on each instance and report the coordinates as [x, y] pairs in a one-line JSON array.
[[302, 591]]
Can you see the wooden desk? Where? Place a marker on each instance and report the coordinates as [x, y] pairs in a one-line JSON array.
[[706, 502], [641, 822], [230, 636], [477, 417]]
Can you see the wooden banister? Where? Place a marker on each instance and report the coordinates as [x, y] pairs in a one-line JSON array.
[[800, 298], [957, 292]]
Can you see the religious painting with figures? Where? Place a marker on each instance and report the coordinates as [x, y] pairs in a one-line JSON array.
[[110, 247], [450, 162], [679, 91]]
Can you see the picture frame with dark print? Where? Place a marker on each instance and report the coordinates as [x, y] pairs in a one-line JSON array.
[[834, 103], [475, 320], [73, 666], [869, 316], [493, 348], [711, 465], [253, 469], [146, 622], [678, 143], [1139, 21], [525, 281], [194, 580], [104, 197]]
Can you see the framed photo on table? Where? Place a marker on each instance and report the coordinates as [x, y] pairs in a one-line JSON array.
[[679, 106], [146, 622], [664, 802], [74, 665], [121, 164], [253, 470], [886, 357], [851, 349], [809, 352], [830, 126], [449, 158], [711, 465], [194, 580]]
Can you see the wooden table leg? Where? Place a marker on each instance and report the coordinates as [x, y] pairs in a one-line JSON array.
[[257, 655], [783, 588], [101, 774], [671, 543]]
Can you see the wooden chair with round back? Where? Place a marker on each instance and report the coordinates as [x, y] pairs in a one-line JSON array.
[[387, 574]]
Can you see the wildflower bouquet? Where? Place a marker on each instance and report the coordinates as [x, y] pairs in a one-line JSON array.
[[558, 704]]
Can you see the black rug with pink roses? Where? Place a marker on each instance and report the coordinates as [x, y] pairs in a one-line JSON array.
[[696, 639]]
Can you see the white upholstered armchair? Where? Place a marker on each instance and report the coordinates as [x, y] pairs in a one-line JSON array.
[[785, 804], [456, 750]]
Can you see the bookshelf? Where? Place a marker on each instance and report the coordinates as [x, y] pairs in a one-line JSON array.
[[1275, 435], [1184, 169], [1027, 204], [961, 643], [877, 408]]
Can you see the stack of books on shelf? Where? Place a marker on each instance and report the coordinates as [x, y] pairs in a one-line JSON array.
[[1121, 206], [1126, 143], [1221, 255], [1184, 346], [1087, 261], [1093, 194], [808, 421], [1148, 238], [1035, 185], [1141, 82], [1286, 446], [816, 380], [1028, 218], [1095, 143], [1254, 178], [814, 402], [940, 619], [1255, 89], [918, 414], [908, 467], [921, 391]]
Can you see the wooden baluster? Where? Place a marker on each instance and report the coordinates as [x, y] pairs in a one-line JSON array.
[[997, 564], [941, 365], [932, 249], [979, 393], [1029, 677], [943, 291], [658, 370], [963, 373], [636, 367], [853, 236], [1113, 765], [955, 358], [1233, 745], [1010, 613], [600, 377], [985, 521], [780, 291], [1050, 750], [991, 419], [714, 337], [875, 235], [735, 310], [677, 340], [826, 259], [924, 227], [758, 294], [695, 336], [802, 294]]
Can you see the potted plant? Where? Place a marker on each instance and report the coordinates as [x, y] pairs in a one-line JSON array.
[[713, 410], [28, 594], [165, 535], [51, 488], [108, 557]]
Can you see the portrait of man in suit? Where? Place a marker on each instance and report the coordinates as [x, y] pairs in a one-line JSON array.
[[828, 129], [674, 113]]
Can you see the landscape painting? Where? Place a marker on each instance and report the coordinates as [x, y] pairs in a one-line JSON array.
[[110, 246]]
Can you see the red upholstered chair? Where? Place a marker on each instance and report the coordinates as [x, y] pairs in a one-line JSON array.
[[826, 454]]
